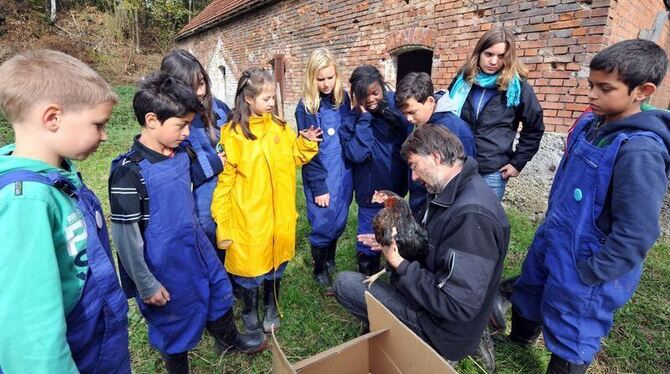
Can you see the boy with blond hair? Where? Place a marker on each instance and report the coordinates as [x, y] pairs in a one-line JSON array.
[[62, 308]]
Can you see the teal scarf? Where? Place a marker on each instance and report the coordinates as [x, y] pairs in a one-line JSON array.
[[459, 92]]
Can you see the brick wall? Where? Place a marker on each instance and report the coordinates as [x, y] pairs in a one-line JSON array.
[[556, 40], [628, 17]]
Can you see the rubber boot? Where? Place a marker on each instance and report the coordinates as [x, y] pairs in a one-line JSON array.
[[250, 309], [498, 315], [524, 332], [271, 297], [319, 256], [486, 353], [228, 339], [330, 261], [368, 265], [558, 365], [176, 363]]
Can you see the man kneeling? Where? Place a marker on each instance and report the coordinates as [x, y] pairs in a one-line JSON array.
[[446, 298]]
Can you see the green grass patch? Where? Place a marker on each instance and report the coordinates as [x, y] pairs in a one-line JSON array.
[[639, 342]]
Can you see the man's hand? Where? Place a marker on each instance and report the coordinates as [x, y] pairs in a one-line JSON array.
[[322, 200], [509, 171], [160, 298], [391, 253], [370, 241], [312, 134]]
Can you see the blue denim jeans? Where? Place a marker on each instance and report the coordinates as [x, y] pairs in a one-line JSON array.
[[497, 183]]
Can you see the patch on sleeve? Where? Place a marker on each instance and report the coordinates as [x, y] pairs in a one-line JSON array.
[[18, 188]]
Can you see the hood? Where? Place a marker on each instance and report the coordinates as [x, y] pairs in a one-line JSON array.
[[444, 103], [657, 121], [10, 163]]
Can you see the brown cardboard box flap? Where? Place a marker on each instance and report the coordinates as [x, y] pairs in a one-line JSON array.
[[409, 352], [390, 348]]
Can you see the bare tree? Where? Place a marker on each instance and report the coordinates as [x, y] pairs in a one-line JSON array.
[[52, 12]]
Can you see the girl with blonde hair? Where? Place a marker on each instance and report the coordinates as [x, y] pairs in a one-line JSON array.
[[327, 180], [492, 95]]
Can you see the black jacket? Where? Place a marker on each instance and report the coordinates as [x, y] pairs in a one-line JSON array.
[[469, 234], [496, 128]]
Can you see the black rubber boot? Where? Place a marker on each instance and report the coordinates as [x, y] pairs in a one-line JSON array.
[[368, 265], [271, 297], [486, 353], [319, 256], [524, 332], [498, 316], [228, 339], [250, 309], [330, 261], [176, 363], [558, 365]]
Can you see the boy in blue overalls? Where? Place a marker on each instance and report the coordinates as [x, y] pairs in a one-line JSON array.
[[586, 258], [168, 263], [61, 307]]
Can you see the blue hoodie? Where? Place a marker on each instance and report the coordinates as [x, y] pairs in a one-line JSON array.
[[630, 216]]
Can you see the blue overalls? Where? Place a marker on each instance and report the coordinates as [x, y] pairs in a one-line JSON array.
[[97, 327], [180, 256], [575, 316], [210, 166], [328, 223]]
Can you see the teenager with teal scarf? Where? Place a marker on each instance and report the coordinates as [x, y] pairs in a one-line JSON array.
[[492, 95]]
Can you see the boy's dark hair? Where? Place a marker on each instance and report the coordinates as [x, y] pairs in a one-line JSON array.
[[413, 85], [165, 96], [362, 77], [430, 138], [635, 61]]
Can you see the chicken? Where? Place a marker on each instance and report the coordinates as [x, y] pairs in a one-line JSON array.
[[395, 221]]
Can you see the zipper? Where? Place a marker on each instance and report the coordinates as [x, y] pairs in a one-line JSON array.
[[479, 104]]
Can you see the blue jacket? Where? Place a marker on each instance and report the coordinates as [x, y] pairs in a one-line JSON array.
[[630, 216], [371, 142], [314, 173], [209, 164]]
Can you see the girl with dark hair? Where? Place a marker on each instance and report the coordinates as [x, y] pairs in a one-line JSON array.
[[492, 95], [254, 200], [372, 135], [205, 130]]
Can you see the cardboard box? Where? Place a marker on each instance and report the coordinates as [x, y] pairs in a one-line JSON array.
[[389, 348]]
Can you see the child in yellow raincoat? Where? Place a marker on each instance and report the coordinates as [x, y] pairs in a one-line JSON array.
[[254, 200]]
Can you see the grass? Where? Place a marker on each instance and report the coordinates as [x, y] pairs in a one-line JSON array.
[[639, 342]]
